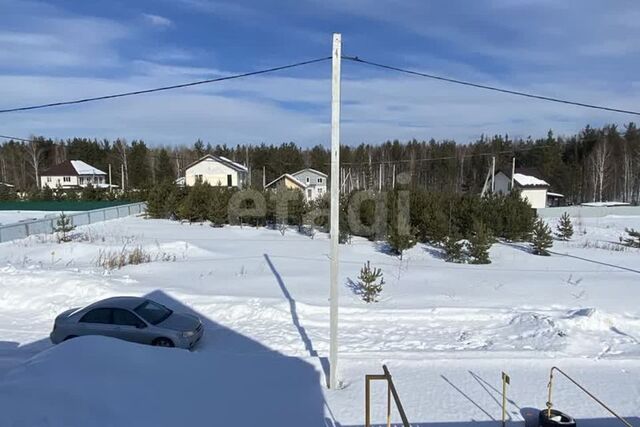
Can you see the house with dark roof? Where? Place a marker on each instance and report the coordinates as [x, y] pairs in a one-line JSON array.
[[530, 184], [73, 174], [217, 171]]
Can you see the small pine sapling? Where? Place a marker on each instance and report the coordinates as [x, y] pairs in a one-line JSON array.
[[479, 244], [63, 228], [370, 282], [453, 249], [564, 229], [541, 240], [633, 241]]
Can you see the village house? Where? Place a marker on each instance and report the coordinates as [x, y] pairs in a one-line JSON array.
[[73, 174], [315, 182], [311, 182], [216, 171], [531, 187]]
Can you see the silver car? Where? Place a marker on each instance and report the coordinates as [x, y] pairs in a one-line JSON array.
[[132, 319]]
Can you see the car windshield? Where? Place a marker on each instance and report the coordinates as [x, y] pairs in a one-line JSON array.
[[152, 312]]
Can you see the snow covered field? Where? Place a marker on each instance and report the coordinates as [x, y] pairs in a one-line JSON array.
[[446, 331]]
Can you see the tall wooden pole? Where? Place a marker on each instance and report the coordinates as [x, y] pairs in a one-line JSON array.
[[513, 172], [110, 186], [335, 209]]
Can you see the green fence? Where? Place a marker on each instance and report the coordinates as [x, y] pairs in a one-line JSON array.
[[68, 206]]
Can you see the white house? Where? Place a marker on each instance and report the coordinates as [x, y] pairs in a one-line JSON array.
[[217, 171], [73, 174], [531, 188], [315, 183]]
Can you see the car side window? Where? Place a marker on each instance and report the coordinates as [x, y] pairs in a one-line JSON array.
[[97, 315], [125, 318]]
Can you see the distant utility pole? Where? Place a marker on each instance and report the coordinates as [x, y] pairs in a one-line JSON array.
[[122, 175], [264, 178], [513, 172], [493, 174], [110, 187], [335, 209]]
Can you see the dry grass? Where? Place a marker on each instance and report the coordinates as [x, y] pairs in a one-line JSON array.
[[113, 260]]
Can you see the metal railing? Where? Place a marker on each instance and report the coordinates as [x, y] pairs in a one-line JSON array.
[[47, 225], [391, 392], [550, 405]]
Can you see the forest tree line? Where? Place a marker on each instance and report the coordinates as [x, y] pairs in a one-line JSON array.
[[596, 164]]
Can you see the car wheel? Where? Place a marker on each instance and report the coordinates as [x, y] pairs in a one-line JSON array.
[[70, 337], [162, 342], [557, 419]]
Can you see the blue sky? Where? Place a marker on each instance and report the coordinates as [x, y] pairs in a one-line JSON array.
[[55, 50]]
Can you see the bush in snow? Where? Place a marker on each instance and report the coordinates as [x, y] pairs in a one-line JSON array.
[[564, 229], [479, 243], [633, 240], [541, 239], [63, 228], [454, 249], [370, 282]]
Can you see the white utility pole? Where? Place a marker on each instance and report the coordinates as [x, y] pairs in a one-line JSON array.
[[264, 177], [335, 209], [110, 186], [122, 176], [493, 174], [513, 172]]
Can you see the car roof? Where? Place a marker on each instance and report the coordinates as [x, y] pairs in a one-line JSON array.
[[128, 303]]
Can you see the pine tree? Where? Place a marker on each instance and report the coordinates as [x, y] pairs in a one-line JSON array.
[[400, 240], [453, 249], [195, 206], [368, 285], [63, 228], [634, 238], [161, 200], [564, 227], [541, 239], [479, 243]]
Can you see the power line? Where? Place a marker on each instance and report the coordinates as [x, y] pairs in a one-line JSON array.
[[163, 88], [486, 87]]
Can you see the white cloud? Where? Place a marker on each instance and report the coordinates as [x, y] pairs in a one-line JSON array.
[[157, 20]]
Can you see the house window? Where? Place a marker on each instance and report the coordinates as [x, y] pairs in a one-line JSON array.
[[199, 178], [319, 191], [309, 194], [229, 181], [80, 181], [48, 179], [319, 180], [308, 180], [66, 178]]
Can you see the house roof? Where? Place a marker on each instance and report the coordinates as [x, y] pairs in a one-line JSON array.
[[72, 168], [286, 175], [233, 165], [311, 170], [526, 177]]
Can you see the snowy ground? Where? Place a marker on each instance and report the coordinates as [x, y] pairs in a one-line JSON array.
[[10, 217], [446, 331]]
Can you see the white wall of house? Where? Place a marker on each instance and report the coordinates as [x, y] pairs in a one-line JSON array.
[[502, 183], [214, 173], [59, 181], [537, 197], [71, 181]]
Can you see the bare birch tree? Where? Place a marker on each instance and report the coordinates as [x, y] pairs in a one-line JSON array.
[[35, 155], [600, 162]]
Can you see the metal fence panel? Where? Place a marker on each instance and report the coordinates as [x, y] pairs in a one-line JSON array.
[[46, 225], [589, 211]]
